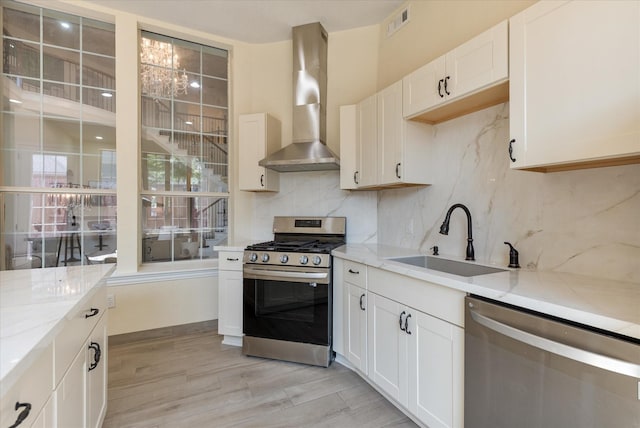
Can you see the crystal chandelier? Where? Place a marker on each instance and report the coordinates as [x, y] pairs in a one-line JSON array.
[[159, 70]]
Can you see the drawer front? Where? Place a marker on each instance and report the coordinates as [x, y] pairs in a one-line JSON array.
[[433, 299], [354, 273], [34, 387], [230, 260], [77, 327]]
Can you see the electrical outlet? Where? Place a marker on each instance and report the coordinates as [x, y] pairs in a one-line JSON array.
[[111, 301]]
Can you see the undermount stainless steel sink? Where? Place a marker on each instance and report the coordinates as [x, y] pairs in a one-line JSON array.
[[449, 266]]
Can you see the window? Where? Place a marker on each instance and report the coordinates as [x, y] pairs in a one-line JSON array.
[[57, 121], [184, 148]]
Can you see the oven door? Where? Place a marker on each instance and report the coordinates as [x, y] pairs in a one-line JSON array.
[[285, 304]]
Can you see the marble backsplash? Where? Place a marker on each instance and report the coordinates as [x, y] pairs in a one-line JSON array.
[[584, 222], [317, 193]]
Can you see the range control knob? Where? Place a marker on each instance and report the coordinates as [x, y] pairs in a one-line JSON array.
[[304, 260], [265, 257], [284, 258], [316, 260], [253, 257]]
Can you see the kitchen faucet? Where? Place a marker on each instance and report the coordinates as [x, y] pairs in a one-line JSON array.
[[444, 229]]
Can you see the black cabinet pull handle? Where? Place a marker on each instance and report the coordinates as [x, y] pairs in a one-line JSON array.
[[355, 177], [398, 170], [446, 79], [356, 272], [440, 88], [23, 414], [96, 356], [361, 305], [406, 324], [401, 315], [513, 140], [262, 180], [93, 312], [232, 260]]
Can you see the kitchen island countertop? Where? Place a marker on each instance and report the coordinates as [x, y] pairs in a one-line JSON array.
[[605, 304], [33, 306]]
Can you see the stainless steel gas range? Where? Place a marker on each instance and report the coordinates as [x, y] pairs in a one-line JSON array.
[[287, 305]]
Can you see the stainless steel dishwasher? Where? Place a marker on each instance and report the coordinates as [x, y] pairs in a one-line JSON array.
[[524, 369]]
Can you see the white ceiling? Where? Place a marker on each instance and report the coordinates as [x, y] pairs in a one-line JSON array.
[[259, 21]]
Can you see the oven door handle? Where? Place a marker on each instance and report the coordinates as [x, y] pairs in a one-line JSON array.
[[586, 357], [277, 275]]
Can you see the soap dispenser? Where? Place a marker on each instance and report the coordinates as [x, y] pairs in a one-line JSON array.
[[513, 256]]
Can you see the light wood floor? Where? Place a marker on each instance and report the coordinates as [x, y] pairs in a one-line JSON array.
[[192, 380]]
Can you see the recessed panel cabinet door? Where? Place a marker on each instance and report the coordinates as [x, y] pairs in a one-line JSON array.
[[259, 135], [387, 343], [574, 83], [481, 62], [367, 142], [97, 375], [70, 394], [356, 329], [436, 371], [390, 142], [422, 89]]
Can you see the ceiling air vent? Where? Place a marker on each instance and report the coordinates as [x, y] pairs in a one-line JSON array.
[[398, 21]]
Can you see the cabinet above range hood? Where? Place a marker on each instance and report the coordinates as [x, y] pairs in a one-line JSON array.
[[308, 151]]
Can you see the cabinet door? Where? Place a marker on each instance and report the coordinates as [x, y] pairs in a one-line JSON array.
[[70, 394], [355, 301], [367, 142], [390, 134], [96, 358], [230, 303], [348, 147], [420, 88], [436, 371], [258, 135], [574, 85], [480, 62], [34, 387], [387, 347], [46, 418]]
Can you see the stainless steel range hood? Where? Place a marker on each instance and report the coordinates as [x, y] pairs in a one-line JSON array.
[[308, 151]]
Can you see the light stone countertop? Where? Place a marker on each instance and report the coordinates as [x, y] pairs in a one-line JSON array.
[[33, 305], [609, 305]]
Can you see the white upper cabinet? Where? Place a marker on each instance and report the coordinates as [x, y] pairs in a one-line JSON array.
[[470, 77], [403, 146], [367, 148], [259, 136], [348, 147], [378, 147], [575, 85]]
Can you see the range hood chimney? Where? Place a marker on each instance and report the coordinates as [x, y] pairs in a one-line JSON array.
[[308, 151]]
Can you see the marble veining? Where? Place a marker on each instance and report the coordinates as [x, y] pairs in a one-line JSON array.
[[32, 305], [606, 304], [583, 222], [317, 193]]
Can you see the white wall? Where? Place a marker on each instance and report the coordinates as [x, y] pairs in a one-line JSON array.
[[150, 305]]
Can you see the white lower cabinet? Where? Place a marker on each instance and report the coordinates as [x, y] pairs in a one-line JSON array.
[[70, 396], [406, 337], [230, 296], [436, 368], [355, 319], [96, 382], [81, 395], [388, 347], [46, 418]]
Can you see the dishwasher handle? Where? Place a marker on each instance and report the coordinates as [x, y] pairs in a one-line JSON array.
[[586, 357]]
